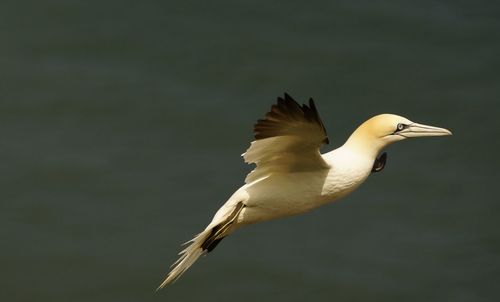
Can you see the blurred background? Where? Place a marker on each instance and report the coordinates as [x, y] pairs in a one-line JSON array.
[[122, 125]]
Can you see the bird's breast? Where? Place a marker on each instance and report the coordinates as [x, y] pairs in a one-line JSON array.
[[349, 170], [338, 184]]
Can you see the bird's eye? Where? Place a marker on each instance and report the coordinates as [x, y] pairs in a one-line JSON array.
[[400, 127]]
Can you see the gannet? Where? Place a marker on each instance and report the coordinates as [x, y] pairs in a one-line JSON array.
[[292, 176]]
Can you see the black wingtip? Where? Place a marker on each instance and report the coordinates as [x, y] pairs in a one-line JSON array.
[[286, 110], [287, 96], [312, 105], [379, 163]]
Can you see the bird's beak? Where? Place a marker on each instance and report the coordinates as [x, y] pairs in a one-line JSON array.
[[418, 130]]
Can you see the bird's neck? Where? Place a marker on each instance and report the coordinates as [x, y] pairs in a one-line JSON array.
[[363, 144]]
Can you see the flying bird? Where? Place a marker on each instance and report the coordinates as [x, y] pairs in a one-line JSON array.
[[292, 176]]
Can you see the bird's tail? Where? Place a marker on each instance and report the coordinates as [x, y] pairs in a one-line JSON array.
[[188, 256], [202, 243]]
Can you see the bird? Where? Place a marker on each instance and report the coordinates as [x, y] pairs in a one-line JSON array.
[[292, 177]]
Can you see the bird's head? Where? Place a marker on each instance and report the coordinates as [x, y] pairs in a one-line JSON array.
[[384, 129]]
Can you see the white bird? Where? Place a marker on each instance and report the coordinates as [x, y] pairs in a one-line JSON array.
[[292, 176]]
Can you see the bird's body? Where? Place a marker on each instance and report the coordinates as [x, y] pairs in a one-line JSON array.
[[292, 177], [285, 194]]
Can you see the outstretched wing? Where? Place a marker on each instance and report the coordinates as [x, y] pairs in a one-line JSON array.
[[287, 140]]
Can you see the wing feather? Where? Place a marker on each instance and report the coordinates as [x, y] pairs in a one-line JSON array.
[[287, 140]]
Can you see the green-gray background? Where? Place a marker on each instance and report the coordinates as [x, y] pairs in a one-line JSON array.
[[122, 122]]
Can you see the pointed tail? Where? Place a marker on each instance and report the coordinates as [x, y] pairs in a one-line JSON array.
[[188, 256], [202, 243]]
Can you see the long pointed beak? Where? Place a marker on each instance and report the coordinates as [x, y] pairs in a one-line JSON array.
[[418, 130]]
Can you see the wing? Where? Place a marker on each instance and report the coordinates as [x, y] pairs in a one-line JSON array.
[[287, 140]]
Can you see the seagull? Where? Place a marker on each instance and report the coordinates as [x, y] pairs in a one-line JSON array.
[[292, 176]]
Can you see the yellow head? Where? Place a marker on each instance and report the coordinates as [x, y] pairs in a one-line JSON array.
[[384, 129]]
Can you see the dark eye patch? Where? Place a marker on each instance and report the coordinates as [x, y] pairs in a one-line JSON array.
[[400, 127]]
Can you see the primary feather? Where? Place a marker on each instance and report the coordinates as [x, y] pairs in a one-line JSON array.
[[287, 140]]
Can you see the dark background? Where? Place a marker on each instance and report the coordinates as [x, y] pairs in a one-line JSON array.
[[122, 122]]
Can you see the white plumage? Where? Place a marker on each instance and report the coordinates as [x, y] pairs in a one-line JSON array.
[[292, 177]]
